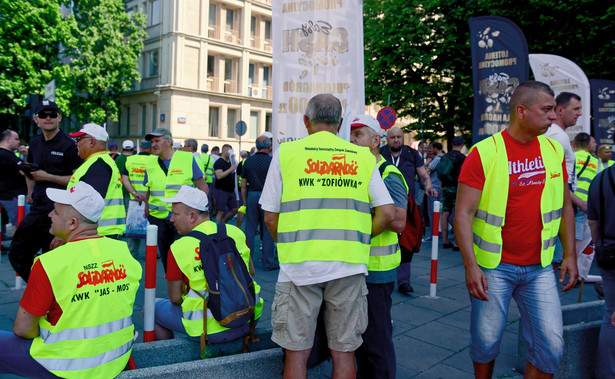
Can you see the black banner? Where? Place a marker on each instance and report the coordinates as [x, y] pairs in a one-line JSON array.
[[603, 109], [499, 65]]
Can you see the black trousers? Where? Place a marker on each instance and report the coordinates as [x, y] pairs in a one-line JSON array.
[[167, 234], [31, 235], [376, 356]]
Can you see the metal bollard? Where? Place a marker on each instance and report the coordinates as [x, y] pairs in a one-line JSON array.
[[21, 212], [151, 256], [434, 249]]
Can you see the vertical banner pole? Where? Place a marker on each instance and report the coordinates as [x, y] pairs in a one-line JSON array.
[[151, 256], [434, 249], [21, 212]]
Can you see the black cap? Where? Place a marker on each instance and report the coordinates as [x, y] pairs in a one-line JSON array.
[[159, 132], [46, 104], [457, 141]]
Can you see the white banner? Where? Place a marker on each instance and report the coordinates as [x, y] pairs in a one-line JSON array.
[[317, 48], [563, 75]]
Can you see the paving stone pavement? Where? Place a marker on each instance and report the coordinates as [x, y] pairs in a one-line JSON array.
[[430, 334]]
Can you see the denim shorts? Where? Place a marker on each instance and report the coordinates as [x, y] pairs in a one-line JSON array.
[[169, 316], [534, 289], [580, 222]]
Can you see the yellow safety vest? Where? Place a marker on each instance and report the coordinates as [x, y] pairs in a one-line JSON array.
[[586, 177], [163, 185], [490, 216], [209, 168], [95, 282], [325, 211], [384, 251], [186, 253], [136, 166], [113, 218]]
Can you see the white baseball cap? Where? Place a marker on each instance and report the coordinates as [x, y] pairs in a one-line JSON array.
[[366, 120], [83, 197], [128, 145], [267, 134], [177, 145], [94, 130], [192, 197]]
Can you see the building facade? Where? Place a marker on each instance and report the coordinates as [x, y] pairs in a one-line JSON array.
[[206, 65]]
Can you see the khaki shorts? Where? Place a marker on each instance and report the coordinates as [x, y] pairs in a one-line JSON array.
[[295, 310]]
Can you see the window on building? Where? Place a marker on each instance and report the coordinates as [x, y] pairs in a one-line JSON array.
[[230, 19], [211, 61], [266, 70], [231, 120], [154, 116], [267, 29], [143, 118], [154, 14], [153, 63], [268, 120], [212, 15], [251, 74], [214, 117], [127, 121], [253, 26], [253, 124]]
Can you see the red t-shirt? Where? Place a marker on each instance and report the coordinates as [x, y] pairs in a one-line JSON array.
[[38, 298], [173, 271], [521, 239]]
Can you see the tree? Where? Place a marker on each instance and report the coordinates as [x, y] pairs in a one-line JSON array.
[[92, 54], [29, 35], [103, 44], [421, 49]]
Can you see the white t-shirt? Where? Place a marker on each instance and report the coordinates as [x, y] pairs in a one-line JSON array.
[[560, 135], [312, 272]]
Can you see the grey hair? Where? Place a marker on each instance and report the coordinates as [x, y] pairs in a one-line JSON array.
[[324, 108], [192, 143], [263, 143]]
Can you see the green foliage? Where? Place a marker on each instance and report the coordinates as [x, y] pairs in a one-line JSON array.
[[92, 54], [421, 49]]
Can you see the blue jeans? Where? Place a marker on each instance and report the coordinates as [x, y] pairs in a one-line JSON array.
[[10, 206], [256, 216], [535, 291], [15, 357], [606, 346]]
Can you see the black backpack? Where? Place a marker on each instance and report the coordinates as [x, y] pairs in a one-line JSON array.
[[231, 288]]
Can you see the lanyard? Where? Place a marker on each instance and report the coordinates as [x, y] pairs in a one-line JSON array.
[[396, 163]]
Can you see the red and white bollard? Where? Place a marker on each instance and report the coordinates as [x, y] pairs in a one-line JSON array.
[[21, 213], [151, 256], [434, 249]]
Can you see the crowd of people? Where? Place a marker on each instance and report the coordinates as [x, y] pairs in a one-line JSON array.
[[329, 214]]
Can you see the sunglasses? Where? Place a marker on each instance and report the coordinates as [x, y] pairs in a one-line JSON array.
[[77, 139], [44, 115]]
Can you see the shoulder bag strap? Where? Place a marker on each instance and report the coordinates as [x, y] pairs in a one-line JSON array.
[[585, 165]]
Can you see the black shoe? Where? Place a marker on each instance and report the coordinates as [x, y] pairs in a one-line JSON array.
[[599, 290], [405, 288]]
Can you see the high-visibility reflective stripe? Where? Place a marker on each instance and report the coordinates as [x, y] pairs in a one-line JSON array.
[[193, 293], [177, 186], [160, 208], [350, 204], [157, 193], [324, 234], [584, 179], [486, 246], [489, 218], [112, 221], [198, 314], [549, 243], [583, 191], [85, 333], [553, 215], [112, 202], [142, 192], [73, 364], [379, 251]]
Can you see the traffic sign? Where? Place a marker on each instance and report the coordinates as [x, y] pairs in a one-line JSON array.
[[386, 117], [241, 128]]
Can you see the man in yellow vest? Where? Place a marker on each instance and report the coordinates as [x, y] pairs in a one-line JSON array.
[[183, 311], [100, 171], [163, 178], [318, 199], [512, 203], [586, 168], [75, 317], [376, 356]]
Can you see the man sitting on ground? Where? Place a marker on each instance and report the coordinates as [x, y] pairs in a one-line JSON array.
[[185, 275]]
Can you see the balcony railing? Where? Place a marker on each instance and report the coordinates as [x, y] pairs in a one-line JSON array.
[[213, 31], [266, 93], [268, 45], [232, 36], [212, 83], [230, 86], [255, 42]]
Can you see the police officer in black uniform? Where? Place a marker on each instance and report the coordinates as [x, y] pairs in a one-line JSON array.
[[52, 159]]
